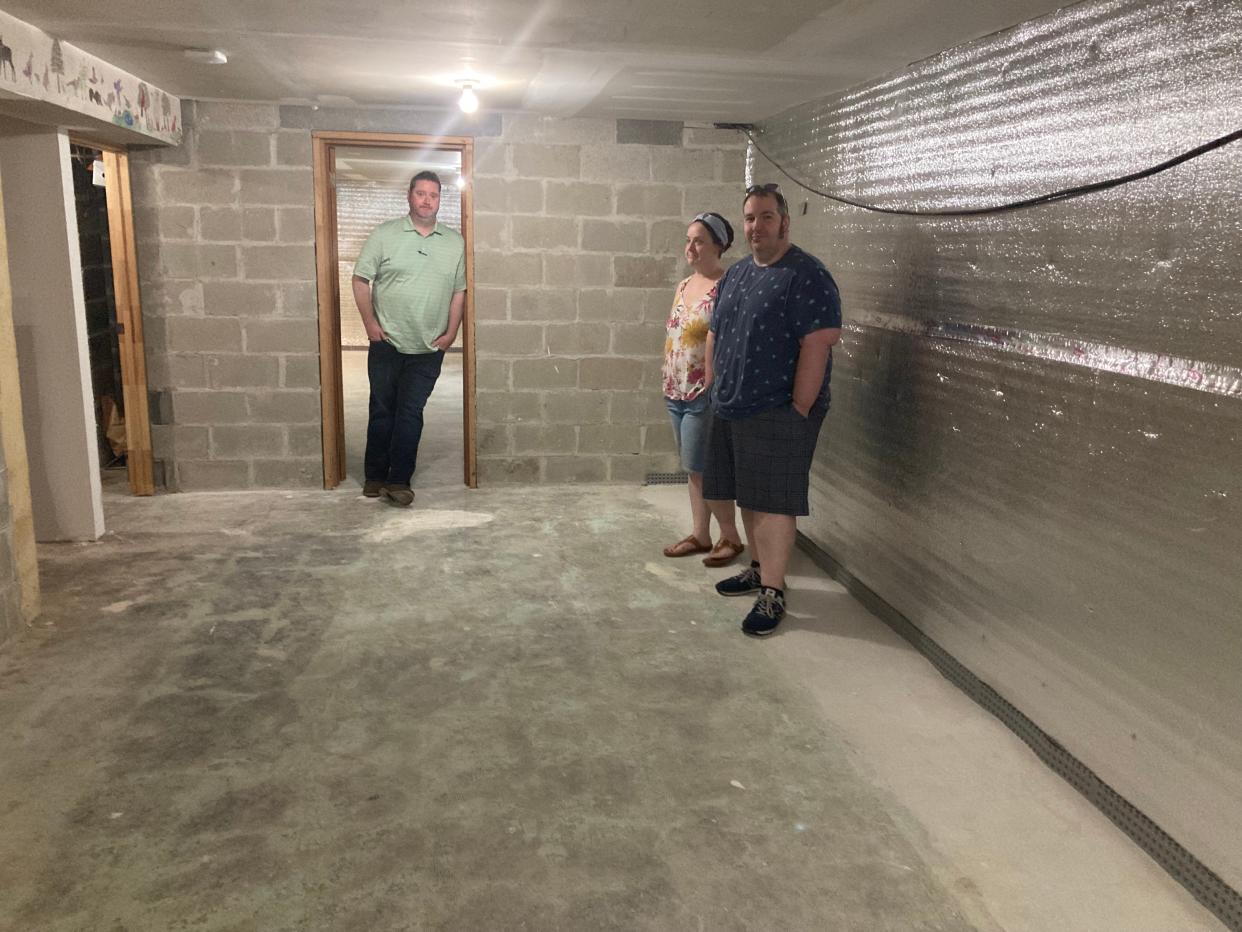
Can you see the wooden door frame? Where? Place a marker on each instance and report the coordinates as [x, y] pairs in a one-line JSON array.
[[331, 393], [138, 454]]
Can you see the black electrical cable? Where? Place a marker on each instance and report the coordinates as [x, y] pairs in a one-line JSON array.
[[1053, 197]]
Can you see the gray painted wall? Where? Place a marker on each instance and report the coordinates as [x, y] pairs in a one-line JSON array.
[[1034, 445]]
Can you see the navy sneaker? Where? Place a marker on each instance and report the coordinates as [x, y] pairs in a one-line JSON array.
[[767, 614], [743, 583]]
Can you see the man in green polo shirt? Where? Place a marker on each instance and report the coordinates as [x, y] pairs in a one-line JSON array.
[[410, 287]]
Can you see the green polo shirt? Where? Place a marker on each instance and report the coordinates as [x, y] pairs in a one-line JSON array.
[[413, 278]]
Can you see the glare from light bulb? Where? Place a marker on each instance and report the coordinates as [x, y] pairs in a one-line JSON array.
[[469, 101], [461, 182]]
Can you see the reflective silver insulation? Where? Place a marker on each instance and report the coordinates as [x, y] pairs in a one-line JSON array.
[[1034, 451]]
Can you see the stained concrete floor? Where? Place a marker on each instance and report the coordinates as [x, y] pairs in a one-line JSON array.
[[280, 711]]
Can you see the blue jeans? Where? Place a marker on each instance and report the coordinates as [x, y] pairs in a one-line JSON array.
[[690, 421], [401, 383]]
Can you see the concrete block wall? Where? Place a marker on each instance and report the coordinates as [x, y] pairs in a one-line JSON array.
[[579, 229], [226, 248], [578, 241]]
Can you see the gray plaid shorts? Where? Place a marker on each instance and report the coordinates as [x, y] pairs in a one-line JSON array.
[[763, 462]]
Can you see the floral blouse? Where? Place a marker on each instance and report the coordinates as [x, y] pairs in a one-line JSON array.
[[686, 345]]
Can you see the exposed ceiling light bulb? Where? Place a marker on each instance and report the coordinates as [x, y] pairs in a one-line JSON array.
[[469, 101]]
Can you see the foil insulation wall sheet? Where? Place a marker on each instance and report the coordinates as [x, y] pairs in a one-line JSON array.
[[1035, 445]]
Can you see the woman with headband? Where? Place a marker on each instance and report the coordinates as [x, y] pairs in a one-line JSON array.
[[685, 384]]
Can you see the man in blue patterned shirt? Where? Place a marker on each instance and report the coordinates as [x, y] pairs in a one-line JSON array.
[[769, 362]]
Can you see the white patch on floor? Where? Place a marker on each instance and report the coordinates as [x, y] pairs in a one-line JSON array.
[[409, 523], [675, 579]]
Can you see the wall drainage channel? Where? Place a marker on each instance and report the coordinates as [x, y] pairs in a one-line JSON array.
[[1200, 880], [666, 478]]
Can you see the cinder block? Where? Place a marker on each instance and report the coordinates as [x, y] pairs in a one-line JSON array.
[[683, 165], [247, 441], [507, 406], [243, 371], [603, 372], [189, 442], [188, 261], [276, 186], [180, 370], [649, 132], [493, 439], [284, 407], [232, 147], [508, 196], [631, 468], [491, 231], [209, 407], [491, 375], [576, 270], [724, 199], [203, 334], [491, 303], [210, 475], [167, 223], [644, 271], [609, 438], [304, 441], [296, 224], [649, 200], [507, 269], [577, 339], [170, 298], [239, 299], [544, 232], [554, 304], [575, 407], [491, 157], [219, 115], [528, 127], [280, 336], [575, 469], [657, 304], [503, 469], [544, 438], [652, 377], [616, 163], [220, 224], [731, 167], [575, 199], [506, 339], [288, 473], [609, 304], [702, 137], [544, 373], [658, 440], [198, 186], [668, 238], [614, 236], [645, 339], [638, 407], [299, 372], [299, 299], [259, 224], [532, 160], [293, 147], [281, 263]]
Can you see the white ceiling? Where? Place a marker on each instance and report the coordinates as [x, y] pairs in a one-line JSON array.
[[394, 165], [694, 60]]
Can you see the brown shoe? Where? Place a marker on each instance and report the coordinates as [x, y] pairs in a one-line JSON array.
[[724, 553], [400, 495], [372, 488], [686, 547]]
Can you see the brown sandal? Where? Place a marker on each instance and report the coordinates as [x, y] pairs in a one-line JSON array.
[[686, 547], [724, 553]]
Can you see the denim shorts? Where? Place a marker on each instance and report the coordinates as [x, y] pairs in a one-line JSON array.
[[690, 420]]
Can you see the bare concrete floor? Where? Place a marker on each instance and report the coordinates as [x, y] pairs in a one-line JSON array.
[[441, 455], [280, 711]]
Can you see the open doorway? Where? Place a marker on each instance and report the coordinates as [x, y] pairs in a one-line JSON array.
[[361, 181], [104, 212]]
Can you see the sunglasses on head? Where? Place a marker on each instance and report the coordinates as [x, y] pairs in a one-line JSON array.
[[765, 190]]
